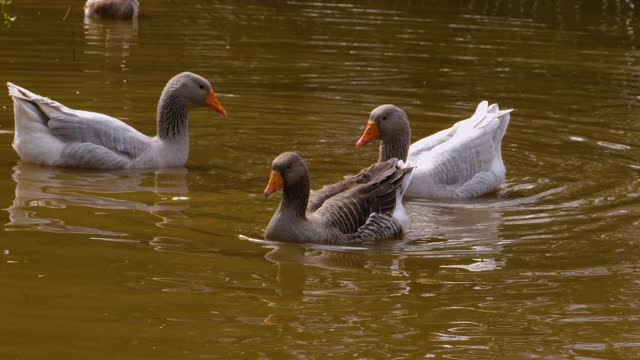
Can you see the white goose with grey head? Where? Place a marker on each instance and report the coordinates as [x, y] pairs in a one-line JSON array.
[[49, 133], [462, 161]]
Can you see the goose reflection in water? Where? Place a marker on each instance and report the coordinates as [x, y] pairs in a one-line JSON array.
[[110, 40], [41, 191], [293, 259], [440, 236]]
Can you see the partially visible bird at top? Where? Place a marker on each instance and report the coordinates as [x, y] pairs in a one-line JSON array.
[[111, 9]]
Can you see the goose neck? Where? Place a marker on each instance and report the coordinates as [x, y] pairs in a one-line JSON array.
[[172, 117], [295, 199], [398, 149]]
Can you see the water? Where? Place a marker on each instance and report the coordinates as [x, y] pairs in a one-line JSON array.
[[142, 264]]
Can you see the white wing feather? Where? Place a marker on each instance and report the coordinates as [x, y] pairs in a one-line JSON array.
[[462, 161]]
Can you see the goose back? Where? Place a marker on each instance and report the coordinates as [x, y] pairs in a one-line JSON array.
[[375, 193]]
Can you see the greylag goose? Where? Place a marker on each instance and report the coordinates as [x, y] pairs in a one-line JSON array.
[[463, 161], [360, 208], [111, 9], [49, 133]]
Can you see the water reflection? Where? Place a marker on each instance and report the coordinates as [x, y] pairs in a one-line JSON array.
[[454, 228], [87, 196], [468, 234], [291, 270], [110, 42], [441, 236]]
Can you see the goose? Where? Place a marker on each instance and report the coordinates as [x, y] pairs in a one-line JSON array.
[[111, 9], [463, 161], [360, 208], [49, 133]]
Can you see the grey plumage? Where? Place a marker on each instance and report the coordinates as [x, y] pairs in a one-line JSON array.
[[84, 154], [173, 118], [359, 208], [378, 226]]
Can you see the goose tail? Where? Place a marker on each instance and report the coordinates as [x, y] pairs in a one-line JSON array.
[[17, 92], [32, 138], [27, 113], [490, 119]]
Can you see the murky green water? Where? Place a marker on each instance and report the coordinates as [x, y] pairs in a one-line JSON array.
[[144, 264]]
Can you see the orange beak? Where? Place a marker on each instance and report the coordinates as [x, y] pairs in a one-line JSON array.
[[275, 183], [213, 104], [370, 133]]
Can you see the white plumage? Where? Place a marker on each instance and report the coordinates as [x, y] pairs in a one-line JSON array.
[[49, 133], [463, 161]]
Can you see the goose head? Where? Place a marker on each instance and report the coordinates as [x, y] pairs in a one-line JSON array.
[[192, 91], [387, 122], [287, 170]]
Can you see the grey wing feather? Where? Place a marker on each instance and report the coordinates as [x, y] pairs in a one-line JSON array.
[[377, 227], [318, 197], [101, 130], [349, 210], [482, 183], [92, 156]]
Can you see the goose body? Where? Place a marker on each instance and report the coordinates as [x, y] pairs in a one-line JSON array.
[[360, 208], [463, 161], [111, 9], [49, 133]]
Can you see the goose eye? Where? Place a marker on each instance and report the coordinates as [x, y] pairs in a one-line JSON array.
[[384, 118], [201, 87]]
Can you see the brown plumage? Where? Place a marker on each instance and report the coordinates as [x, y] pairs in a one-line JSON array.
[[359, 208], [111, 9]]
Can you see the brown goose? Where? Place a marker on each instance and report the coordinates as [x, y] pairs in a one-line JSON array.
[[111, 9], [360, 208]]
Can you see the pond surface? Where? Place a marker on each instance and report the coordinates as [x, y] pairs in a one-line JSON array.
[[155, 264]]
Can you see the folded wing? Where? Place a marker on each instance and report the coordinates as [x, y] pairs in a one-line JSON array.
[[350, 209], [77, 126]]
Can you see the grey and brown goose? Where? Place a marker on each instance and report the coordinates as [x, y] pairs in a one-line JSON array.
[[360, 208], [111, 9], [49, 133], [460, 162]]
